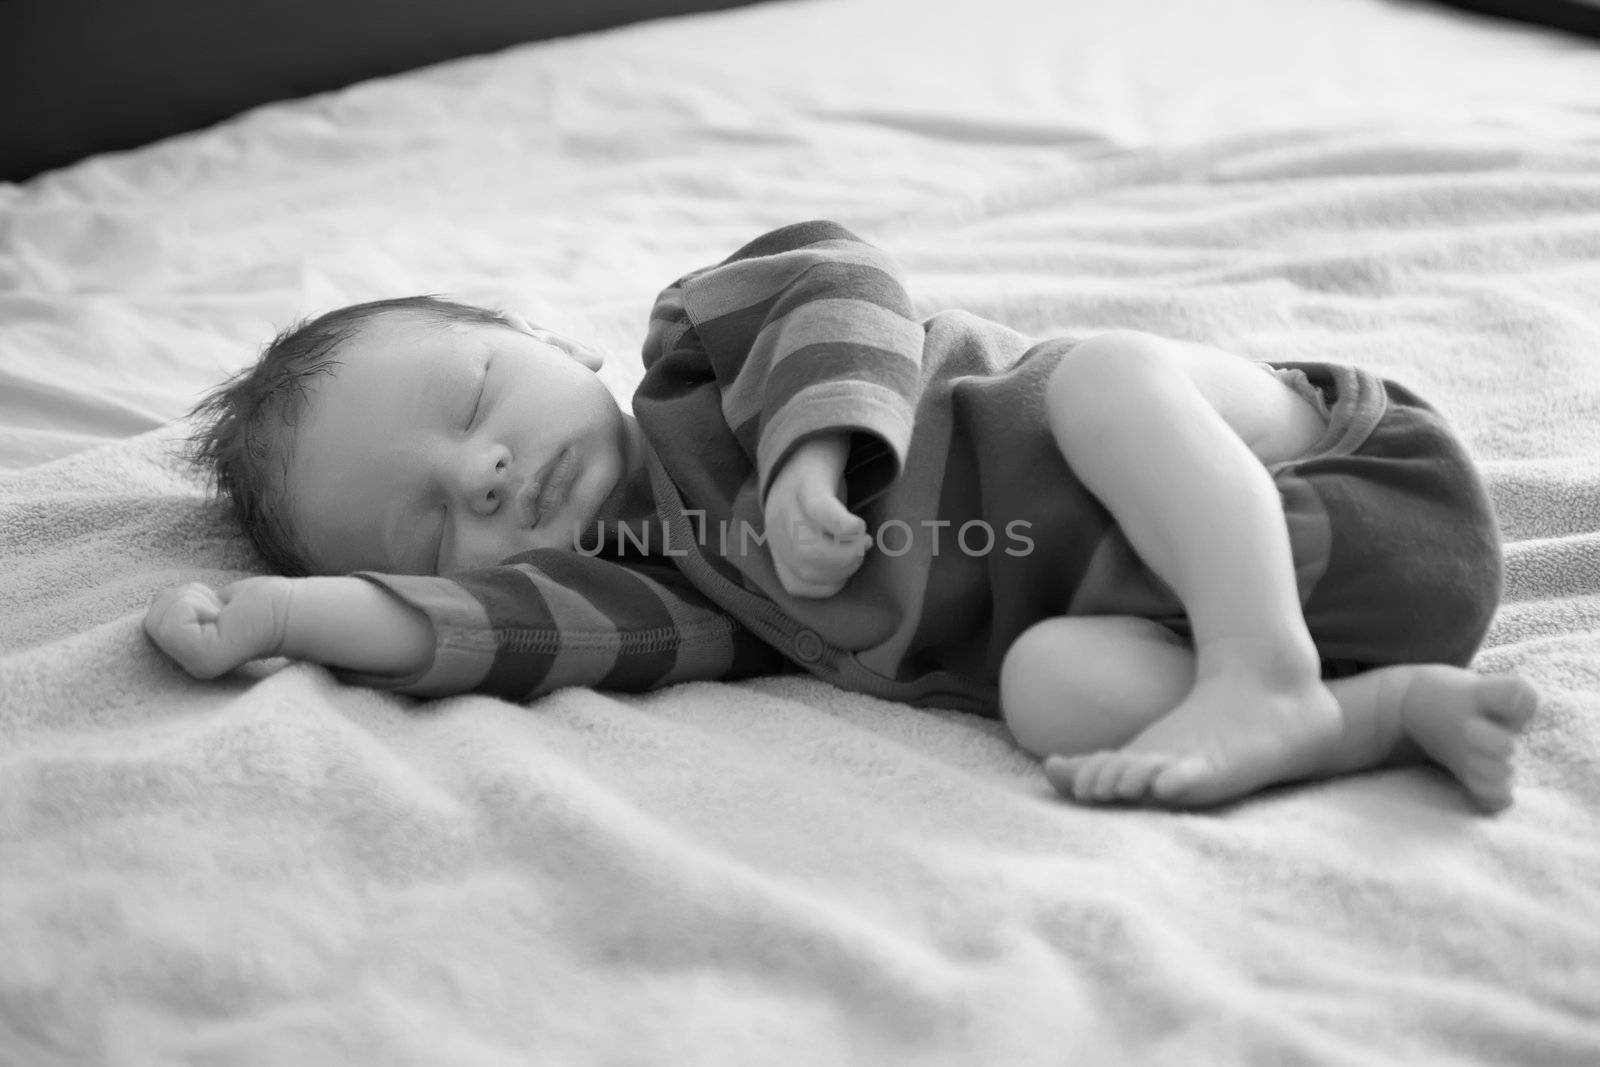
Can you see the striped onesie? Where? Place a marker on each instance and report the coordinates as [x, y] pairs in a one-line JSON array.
[[979, 526]]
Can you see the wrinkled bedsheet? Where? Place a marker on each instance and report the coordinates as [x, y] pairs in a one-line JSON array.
[[278, 869]]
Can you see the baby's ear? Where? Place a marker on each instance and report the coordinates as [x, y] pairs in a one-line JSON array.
[[576, 349]]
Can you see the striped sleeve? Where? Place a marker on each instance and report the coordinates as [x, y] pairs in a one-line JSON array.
[[551, 618], [810, 330]]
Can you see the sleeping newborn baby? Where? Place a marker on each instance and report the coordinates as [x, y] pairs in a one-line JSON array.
[[1179, 576]]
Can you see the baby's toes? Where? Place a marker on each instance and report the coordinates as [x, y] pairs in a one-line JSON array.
[[1135, 775], [1121, 776], [1105, 786], [1064, 772], [1078, 777], [1096, 780], [1189, 780], [1509, 700]]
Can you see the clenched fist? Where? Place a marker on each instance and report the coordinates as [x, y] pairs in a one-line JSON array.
[[817, 544], [209, 631]]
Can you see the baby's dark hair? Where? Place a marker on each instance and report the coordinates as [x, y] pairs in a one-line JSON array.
[[237, 441]]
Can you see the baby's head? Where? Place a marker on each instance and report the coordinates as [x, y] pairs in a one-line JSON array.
[[414, 436]]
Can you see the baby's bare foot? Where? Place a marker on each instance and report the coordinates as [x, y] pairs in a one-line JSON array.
[[1229, 738], [1468, 723]]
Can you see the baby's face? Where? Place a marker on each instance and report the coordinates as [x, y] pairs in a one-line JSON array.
[[434, 448]]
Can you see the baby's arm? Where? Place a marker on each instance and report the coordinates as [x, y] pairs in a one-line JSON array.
[[339, 622], [538, 622], [816, 542]]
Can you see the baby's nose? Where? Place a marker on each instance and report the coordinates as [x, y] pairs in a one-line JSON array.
[[489, 494], [487, 502]]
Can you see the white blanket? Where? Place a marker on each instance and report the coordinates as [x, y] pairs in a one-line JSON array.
[[277, 869]]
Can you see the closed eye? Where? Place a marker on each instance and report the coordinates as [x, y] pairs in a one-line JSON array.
[[477, 402], [438, 542]]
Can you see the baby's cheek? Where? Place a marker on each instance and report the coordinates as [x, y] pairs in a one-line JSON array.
[[566, 537], [484, 547]]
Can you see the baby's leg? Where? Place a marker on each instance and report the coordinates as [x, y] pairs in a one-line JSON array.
[[1096, 696]]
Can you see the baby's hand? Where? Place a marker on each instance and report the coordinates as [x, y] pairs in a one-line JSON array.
[[210, 632], [816, 543]]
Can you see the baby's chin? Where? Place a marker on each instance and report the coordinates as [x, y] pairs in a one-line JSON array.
[[571, 536]]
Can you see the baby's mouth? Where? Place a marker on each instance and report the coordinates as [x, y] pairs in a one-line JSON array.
[[544, 495]]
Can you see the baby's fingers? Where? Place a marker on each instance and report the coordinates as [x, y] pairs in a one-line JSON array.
[[824, 508], [181, 605], [820, 566]]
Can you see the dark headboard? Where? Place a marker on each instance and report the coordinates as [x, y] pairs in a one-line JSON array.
[[79, 77], [1576, 16]]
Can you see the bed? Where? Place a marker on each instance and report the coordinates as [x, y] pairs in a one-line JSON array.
[[276, 868]]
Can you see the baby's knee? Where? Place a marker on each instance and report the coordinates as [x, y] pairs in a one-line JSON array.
[[1093, 370], [1029, 687], [1082, 683], [1111, 351], [1055, 663], [1023, 671]]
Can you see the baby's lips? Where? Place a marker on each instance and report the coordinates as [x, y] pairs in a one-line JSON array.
[[558, 482], [547, 490], [530, 496]]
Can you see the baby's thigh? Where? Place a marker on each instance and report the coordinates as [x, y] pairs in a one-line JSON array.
[[1277, 411]]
